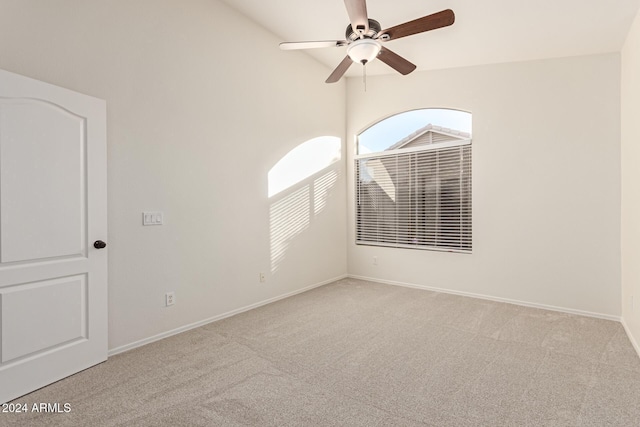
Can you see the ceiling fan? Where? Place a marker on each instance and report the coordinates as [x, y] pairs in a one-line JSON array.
[[364, 38]]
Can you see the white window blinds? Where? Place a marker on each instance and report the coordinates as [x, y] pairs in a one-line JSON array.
[[420, 198]]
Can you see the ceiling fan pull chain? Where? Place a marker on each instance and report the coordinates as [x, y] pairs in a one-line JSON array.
[[364, 75]]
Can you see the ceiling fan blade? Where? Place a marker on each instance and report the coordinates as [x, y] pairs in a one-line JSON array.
[[340, 70], [420, 25], [312, 45], [395, 61], [357, 11]]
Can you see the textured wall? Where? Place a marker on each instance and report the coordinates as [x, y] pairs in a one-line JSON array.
[[201, 105], [546, 180], [631, 182]]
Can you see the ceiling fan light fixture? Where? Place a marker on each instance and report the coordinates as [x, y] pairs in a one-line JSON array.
[[363, 50]]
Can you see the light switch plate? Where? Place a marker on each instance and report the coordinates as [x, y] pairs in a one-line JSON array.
[[152, 218]]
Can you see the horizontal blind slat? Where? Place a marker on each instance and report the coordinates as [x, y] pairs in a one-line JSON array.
[[420, 199]]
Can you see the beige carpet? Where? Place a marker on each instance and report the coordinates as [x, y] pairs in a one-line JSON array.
[[356, 353]]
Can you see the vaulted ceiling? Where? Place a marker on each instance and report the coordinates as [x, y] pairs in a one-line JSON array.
[[489, 31]]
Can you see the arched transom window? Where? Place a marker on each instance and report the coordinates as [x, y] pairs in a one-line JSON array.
[[413, 181]]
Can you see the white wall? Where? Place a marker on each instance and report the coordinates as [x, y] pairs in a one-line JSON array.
[[197, 118], [631, 182], [546, 181], [201, 104]]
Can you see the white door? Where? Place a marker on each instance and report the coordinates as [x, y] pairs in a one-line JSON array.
[[53, 281]]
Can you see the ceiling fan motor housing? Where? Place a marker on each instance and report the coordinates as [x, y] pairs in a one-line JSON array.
[[374, 29]]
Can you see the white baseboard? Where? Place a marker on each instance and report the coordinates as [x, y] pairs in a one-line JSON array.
[[631, 337], [185, 328], [492, 298]]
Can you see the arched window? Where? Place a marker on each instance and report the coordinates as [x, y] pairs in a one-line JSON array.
[[413, 181]]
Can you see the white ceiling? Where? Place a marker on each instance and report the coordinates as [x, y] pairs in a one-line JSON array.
[[489, 31]]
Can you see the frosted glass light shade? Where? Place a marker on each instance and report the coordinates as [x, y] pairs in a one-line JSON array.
[[363, 50]]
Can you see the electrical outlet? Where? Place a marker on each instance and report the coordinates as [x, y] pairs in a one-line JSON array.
[[170, 298], [375, 260], [262, 278]]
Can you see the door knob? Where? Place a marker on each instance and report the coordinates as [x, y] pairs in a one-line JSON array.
[[99, 244]]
